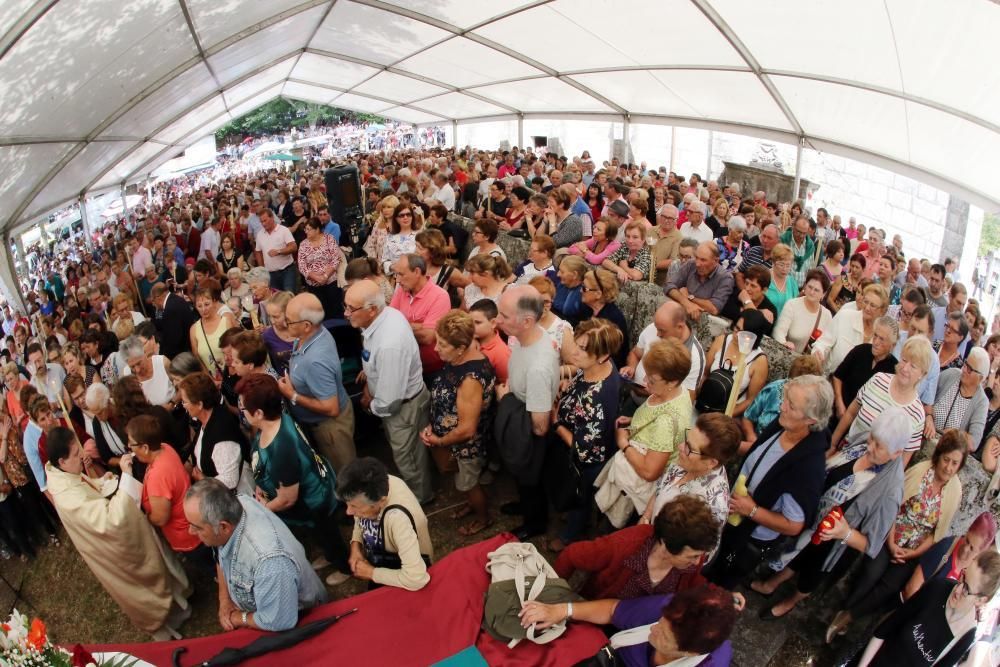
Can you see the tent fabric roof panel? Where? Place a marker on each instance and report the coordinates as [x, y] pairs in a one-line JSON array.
[[81, 61], [396, 87], [308, 93], [458, 105], [461, 62], [547, 94], [269, 44], [462, 13], [194, 119], [360, 103], [328, 71], [853, 116], [26, 165], [129, 164], [250, 87], [408, 115], [168, 102], [874, 63], [215, 21], [257, 100], [95, 158], [373, 34], [568, 35]]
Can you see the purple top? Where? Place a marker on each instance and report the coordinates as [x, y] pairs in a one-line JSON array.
[[643, 611], [280, 351]]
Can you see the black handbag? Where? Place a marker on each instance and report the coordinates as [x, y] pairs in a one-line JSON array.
[[387, 559], [563, 482]]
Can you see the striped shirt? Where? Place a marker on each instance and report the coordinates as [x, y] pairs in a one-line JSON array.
[[752, 257], [875, 399]]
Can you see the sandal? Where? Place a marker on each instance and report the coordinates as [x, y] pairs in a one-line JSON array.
[[754, 587], [462, 512], [474, 527]]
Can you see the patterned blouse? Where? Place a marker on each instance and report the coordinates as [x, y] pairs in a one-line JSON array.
[[444, 405], [15, 466], [661, 427], [398, 245], [589, 410], [918, 516], [712, 487], [730, 258], [641, 262], [313, 259]]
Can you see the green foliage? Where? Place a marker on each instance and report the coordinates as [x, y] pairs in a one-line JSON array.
[[989, 240], [280, 115]]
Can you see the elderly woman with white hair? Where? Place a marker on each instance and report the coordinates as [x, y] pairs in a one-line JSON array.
[[778, 489], [111, 442], [865, 480], [961, 400], [151, 371], [732, 246], [259, 280]]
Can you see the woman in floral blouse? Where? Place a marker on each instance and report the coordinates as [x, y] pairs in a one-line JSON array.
[[462, 412], [931, 495], [403, 239], [699, 469], [586, 414]]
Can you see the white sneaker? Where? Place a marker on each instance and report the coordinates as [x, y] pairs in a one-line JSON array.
[[320, 563], [336, 578]]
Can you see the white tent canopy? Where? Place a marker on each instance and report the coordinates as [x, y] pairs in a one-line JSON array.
[[95, 93]]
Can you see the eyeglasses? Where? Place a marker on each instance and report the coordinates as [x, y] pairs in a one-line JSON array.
[[349, 310], [404, 214], [966, 367], [599, 288], [965, 586], [686, 447], [954, 330]]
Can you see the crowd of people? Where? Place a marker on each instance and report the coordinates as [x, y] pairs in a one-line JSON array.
[[182, 393]]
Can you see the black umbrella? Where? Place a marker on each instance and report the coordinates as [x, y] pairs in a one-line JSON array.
[[267, 644]]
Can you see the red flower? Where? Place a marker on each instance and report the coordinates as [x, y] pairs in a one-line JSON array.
[[81, 657], [36, 635]]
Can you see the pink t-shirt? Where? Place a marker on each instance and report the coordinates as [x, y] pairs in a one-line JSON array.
[[425, 307]]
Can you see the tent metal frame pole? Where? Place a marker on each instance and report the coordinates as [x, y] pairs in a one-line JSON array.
[[520, 131], [125, 211], [85, 218], [454, 133], [708, 160], [673, 149], [798, 169]]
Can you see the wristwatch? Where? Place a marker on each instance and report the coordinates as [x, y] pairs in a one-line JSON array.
[[294, 400], [243, 617]]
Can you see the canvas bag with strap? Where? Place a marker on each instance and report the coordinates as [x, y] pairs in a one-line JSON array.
[[519, 563]]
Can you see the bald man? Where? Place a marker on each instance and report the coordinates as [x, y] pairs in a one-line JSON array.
[[393, 382], [314, 383], [669, 321]]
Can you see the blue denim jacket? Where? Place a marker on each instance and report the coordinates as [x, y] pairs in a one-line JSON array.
[[266, 569]]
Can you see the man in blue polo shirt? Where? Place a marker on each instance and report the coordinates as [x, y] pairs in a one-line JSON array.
[[314, 384]]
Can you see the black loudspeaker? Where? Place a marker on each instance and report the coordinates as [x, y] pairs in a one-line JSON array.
[[541, 142], [344, 194]]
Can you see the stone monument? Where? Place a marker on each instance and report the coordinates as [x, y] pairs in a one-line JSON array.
[[765, 172]]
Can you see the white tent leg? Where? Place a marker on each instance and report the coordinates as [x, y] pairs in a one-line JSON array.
[[9, 284], [798, 170]]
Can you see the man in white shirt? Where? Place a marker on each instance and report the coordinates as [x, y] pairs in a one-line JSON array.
[[141, 255], [444, 193], [669, 321], [275, 249], [211, 240], [695, 227]]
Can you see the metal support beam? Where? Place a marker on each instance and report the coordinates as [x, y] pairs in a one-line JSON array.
[[708, 160], [124, 202], [520, 131], [88, 232], [626, 139], [798, 169], [673, 148], [454, 133]]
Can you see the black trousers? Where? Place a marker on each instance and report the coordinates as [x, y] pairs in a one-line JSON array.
[[14, 528], [738, 556], [878, 585], [332, 298], [37, 508], [327, 534], [534, 506]]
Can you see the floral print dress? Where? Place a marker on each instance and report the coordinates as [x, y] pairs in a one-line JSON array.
[[918, 516], [589, 410], [444, 405]]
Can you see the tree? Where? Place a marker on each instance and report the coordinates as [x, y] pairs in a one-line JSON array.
[[989, 240], [280, 115]]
